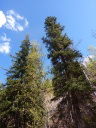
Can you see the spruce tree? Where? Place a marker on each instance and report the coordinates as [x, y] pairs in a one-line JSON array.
[[34, 108], [18, 70], [70, 84], [21, 103], [12, 98]]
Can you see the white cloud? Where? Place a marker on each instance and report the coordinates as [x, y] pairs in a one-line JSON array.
[[13, 21], [10, 24], [26, 23], [4, 38], [5, 44], [5, 47], [2, 19], [86, 59], [10, 11], [19, 17], [19, 27]]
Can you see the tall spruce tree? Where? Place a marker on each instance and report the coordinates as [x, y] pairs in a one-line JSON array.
[[21, 103], [69, 81], [11, 106], [34, 109], [17, 71]]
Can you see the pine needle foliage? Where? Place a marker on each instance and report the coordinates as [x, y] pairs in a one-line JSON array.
[[34, 86], [21, 101], [69, 82]]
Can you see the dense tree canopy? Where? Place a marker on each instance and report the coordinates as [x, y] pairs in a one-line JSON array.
[[69, 81], [21, 101]]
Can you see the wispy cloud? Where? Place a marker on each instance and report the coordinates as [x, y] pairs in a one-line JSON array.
[[13, 21], [4, 44]]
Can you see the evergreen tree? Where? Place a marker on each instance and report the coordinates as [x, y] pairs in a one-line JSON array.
[[21, 103], [3, 106], [34, 109], [69, 82], [12, 98], [18, 70]]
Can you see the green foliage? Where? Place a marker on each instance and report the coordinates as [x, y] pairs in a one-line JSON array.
[[69, 82], [47, 84], [11, 107], [18, 70], [34, 88], [90, 66], [21, 101]]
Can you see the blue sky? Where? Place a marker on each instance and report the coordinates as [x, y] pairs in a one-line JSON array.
[[19, 17]]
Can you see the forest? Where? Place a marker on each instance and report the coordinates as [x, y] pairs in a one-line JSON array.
[[64, 97]]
